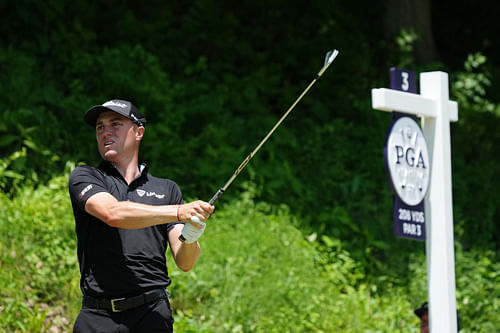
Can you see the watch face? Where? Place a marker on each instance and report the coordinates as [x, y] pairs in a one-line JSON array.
[[407, 161]]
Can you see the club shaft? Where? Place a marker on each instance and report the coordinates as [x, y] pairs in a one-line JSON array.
[[252, 154]]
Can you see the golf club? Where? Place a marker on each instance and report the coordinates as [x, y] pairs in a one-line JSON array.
[[330, 56]]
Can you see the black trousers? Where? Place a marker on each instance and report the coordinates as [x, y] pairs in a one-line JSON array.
[[154, 317]]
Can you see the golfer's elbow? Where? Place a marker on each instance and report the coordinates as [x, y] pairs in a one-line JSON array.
[[186, 268], [185, 265], [111, 220], [107, 212], [112, 217]]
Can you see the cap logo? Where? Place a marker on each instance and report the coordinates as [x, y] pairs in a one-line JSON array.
[[113, 103], [134, 118]]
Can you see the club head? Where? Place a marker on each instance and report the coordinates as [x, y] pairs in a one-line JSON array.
[[330, 56]]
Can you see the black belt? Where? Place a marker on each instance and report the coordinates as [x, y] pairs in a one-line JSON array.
[[123, 304]]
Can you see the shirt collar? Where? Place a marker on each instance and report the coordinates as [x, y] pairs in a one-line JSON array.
[[110, 168]]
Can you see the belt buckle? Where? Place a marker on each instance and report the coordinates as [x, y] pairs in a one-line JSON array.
[[113, 308]]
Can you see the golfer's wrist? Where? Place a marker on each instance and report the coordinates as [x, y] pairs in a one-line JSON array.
[[178, 216]]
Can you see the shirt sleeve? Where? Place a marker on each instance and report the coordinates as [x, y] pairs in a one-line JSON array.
[[84, 182]]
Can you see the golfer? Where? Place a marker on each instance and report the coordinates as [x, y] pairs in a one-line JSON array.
[[125, 220]]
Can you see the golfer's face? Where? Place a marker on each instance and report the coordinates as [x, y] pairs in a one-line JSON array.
[[116, 136]]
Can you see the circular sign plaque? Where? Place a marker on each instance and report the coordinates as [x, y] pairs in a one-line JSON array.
[[407, 160]]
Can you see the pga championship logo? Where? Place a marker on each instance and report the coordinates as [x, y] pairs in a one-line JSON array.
[[407, 161]]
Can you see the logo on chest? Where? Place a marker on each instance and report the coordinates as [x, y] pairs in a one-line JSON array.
[[142, 193]]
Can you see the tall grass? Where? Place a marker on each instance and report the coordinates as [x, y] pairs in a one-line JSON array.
[[258, 273], [38, 265]]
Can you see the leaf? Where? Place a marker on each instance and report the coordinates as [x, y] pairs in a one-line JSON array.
[[381, 245], [39, 149], [12, 174], [7, 139], [32, 145]]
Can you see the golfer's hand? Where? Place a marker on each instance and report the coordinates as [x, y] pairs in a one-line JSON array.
[[195, 213]]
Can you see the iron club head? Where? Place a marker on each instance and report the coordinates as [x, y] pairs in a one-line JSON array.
[[330, 56]]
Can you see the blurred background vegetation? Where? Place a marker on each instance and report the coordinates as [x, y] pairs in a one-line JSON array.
[[303, 241]]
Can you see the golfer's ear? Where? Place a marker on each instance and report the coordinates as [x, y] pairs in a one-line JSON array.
[[140, 133]]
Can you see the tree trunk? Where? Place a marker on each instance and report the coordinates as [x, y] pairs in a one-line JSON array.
[[415, 15]]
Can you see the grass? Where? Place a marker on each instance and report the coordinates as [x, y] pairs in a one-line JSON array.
[[258, 273], [38, 279]]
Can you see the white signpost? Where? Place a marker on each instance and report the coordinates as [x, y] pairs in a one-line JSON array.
[[436, 112]]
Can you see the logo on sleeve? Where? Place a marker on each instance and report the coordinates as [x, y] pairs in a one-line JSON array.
[[85, 190]]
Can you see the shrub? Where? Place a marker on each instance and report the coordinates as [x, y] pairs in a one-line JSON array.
[[258, 273], [38, 263]]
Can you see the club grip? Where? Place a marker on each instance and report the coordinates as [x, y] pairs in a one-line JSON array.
[[196, 220], [216, 196], [211, 202]]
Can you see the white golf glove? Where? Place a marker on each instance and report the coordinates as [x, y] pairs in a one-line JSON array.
[[190, 232]]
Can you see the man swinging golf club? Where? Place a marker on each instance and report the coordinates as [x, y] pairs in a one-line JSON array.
[[125, 219]]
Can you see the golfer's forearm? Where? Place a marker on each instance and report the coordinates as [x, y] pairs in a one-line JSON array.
[[187, 255], [132, 215]]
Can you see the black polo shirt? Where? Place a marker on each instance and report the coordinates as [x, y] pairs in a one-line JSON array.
[[116, 262]]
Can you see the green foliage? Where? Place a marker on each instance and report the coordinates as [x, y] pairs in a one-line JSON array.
[[478, 291], [258, 273], [405, 42], [9, 177], [476, 274], [39, 273], [212, 91], [474, 180], [471, 85], [212, 78]]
